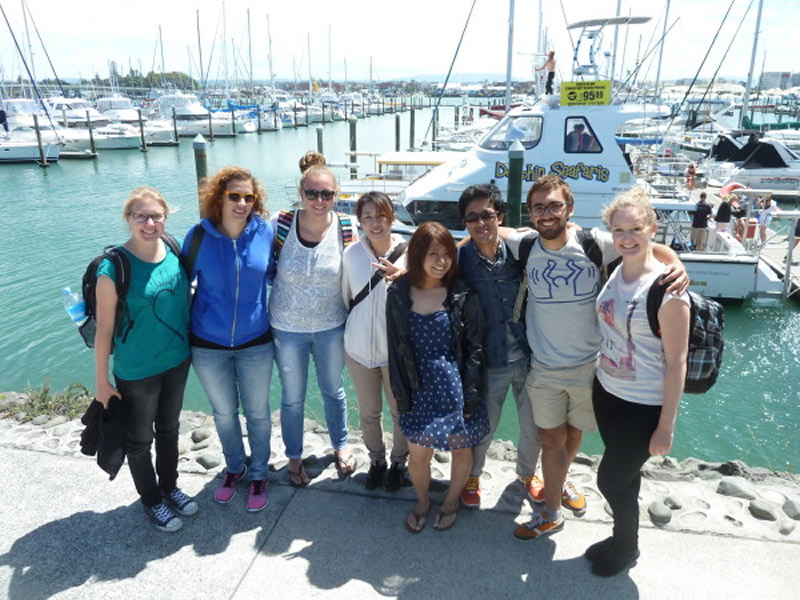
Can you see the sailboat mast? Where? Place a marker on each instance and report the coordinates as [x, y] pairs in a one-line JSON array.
[[225, 52], [661, 50], [308, 38], [28, 38], [161, 45], [269, 59], [616, 38], [746, 98], [200, 54], [510, 53], [329, 59], [250, 50]]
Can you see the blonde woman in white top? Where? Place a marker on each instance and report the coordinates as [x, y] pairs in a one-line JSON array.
[[639, 378], [367, 353]]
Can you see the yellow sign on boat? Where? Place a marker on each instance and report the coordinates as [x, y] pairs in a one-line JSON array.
[[577, 93]]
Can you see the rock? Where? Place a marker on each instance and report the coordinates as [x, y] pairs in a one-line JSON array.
[[660, 514], [198, 435], [583, 459], [441, 457], [51, 444], [792, 509], [709, 475], [209, 460], [673, 502], [57, 420], [737, 487], [732, 468], [62, 430], [40, 420], [762, 509], [21, 416], [785, 527], [183, 446], [201, 445]]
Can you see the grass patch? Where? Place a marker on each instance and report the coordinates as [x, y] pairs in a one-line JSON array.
[[71, 402]]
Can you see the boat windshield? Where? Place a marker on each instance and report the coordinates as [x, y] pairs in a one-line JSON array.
[[525, 128]]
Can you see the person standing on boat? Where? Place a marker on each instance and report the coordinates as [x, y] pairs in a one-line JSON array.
[[435, 336], [151, 355], [308, 315], [380, 253], [640, 376], [702, 213], [549, 66], [487, 266], [739, 214], [562, 331], [724, 214], [231, 338], [768, 208]]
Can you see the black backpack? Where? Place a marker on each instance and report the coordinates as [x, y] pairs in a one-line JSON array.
[[122, 267], [706, 322]]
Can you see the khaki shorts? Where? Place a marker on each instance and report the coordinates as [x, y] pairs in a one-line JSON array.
[[561, 396]]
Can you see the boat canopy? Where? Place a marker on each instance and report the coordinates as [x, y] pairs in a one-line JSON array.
[[609, 21], [769, 155]]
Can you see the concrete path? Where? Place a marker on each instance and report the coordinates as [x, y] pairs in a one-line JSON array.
[[68, 532]]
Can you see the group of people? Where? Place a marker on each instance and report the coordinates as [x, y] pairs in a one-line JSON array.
[[442, 331], [730, 210]]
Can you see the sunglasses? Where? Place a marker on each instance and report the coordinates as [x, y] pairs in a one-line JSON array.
[[326, 195], [486, 216], [237, 197], [144, 218]]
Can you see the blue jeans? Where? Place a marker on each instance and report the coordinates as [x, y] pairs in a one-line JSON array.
[[496, 384], [291, 353], [231, 378]]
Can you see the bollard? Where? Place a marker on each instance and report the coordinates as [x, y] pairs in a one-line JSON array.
[[174, 124], [141, 130], [258, 117], [435, 128], [455, 116], [275, 119], [233, 122], [397, 133], [412, 114], [323, 115], [320, 129], [294, 109], [516, 156], [91, 133], [200, 166], [210, 127], [353, 146], [42, 155], [307, 111]]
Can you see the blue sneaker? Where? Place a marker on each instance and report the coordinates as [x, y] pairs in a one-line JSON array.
[[163, 518], [183, 504]]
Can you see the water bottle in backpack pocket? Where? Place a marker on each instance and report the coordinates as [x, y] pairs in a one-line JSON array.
[[75, 306]]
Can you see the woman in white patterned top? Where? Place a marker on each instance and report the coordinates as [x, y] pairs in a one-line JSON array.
[[308, 317]]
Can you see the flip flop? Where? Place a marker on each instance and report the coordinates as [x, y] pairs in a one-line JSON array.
[[298, 478], [444, 515], [415, 522], [345, 464]]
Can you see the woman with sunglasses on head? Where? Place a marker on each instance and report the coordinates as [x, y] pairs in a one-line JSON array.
[[435, 335], [308, 315], [230, 256], [151, 355], [366, 265]]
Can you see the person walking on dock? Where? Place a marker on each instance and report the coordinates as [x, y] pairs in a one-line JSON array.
[[702, 213]]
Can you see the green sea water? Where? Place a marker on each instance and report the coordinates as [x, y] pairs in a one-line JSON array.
[[54, 220]]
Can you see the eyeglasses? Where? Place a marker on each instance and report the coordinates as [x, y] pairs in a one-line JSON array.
[[144, 218], [237, 197], [371, 220], [554, 208], [326, 195], [485, 215]]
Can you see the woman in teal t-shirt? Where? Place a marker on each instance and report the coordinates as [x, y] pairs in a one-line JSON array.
[[151, 355]]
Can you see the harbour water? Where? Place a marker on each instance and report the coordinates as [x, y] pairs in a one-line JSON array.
[[54, 220]]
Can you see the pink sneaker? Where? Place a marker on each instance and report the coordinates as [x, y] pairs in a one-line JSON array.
[[258, 496], [227, 489]]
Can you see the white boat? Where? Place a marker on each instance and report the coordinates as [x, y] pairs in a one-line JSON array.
[[755, 163], [192, 118], [75, 112], [18, 151]]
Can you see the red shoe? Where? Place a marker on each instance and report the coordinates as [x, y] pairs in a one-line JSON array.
[[471, 494], [534, 487]]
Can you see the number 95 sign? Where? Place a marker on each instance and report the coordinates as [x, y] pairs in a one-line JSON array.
[[576, 93]]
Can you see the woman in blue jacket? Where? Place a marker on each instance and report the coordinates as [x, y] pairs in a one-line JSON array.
[[230, 256]]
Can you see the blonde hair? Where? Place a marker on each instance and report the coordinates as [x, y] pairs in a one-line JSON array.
[[636, 199], [140, 193], [311, 159], [315, 170]]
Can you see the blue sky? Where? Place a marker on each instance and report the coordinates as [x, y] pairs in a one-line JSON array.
[[404, 38]]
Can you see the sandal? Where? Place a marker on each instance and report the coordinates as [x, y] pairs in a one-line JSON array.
[[415, 522], [444, 515], [345, 463], [298, 478]]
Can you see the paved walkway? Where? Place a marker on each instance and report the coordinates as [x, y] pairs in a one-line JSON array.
[[67, 532]]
